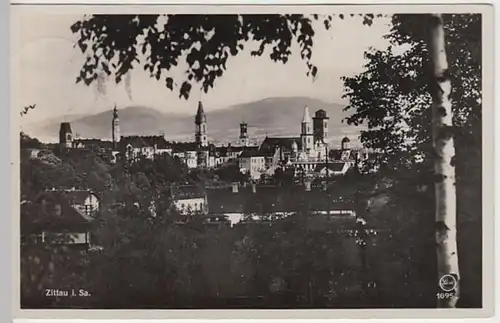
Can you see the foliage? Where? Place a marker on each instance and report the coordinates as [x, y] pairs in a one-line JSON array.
[[46, 267], [394, 102], [231, 173], [392, 97], [115, 44], [144, 259], [25, 110], [26, 142]]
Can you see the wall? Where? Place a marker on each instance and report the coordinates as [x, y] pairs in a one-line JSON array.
[[255, 165], [191, 205], [65, 238]]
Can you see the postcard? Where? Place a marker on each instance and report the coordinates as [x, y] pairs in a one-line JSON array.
[[252, 161]]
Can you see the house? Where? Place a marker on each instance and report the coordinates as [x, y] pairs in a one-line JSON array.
[[194, 155], [279, 149], [96, 144], [51, 219], [332, 169], [189, 199], [275, 201], [225, 154], [148, 146], [253, 162], [187, 152], [84, 201], [33, 153]]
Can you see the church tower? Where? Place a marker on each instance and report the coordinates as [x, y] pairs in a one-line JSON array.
[[320, 125], [201, 127], [306, 135], [115, 128], [244, 140], [345, 144], [65, 135]]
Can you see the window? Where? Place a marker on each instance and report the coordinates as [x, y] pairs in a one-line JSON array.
[[88, 209]]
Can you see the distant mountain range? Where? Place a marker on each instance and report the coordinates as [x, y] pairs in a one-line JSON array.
[[271, 116]]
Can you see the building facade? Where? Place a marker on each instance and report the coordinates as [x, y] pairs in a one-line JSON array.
[[189, 200], [252, 162], [65, 135], [244, 140]]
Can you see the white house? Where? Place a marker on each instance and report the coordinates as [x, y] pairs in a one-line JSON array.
[[332, 169], [54, 218], [189, 200], [253, 162], [147, 146], [84, 201], [190, 158]]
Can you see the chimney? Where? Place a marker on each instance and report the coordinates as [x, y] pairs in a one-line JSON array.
[[235, 187]]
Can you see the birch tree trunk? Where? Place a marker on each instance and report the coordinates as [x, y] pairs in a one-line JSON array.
[[445, 194]]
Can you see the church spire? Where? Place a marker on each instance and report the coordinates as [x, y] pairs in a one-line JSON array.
[[307, 133], [200, 121], [307, 117], [200, 114], [115, 128]]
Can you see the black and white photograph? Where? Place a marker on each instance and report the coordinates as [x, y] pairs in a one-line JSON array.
[[281, 159]]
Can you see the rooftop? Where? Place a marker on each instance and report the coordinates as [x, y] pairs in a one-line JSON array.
[[273, 143], [144, 141], [333, 166], [183, 192], [51, 212], [73, 196], [272, 199]]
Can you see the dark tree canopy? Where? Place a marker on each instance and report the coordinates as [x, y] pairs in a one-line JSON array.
[[115, 44], [392, 96]]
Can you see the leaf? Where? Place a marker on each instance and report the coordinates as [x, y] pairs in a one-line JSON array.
[[314, 71], [185, 90], [170, 83], [117, 36], [105, 68]]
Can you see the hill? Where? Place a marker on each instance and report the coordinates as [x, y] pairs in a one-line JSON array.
[[272, 116]]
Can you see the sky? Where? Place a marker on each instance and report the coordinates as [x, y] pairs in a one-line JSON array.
[[45, 64]]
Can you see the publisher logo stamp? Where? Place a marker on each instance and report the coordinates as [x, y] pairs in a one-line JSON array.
[[448, 283]]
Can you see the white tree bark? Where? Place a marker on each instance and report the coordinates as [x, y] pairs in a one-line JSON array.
[[445, 193]]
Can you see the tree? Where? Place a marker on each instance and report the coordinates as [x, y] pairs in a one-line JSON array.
[[26, 142], [442, 134], [395, 103]]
